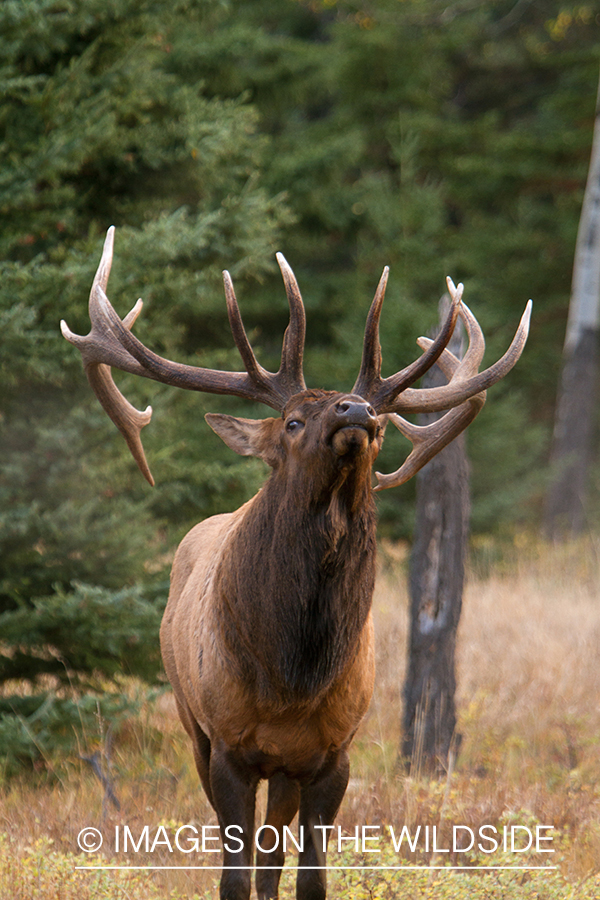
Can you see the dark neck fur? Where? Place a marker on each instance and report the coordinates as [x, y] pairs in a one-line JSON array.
[[298, 580]]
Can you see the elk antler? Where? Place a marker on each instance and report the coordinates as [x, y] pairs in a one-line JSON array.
[[464, 395], [100, 351], [382, 393], [111, 343]]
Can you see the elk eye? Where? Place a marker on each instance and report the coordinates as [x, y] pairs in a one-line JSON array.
[[293, 425]]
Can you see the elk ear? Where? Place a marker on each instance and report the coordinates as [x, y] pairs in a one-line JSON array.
[[249, 437]]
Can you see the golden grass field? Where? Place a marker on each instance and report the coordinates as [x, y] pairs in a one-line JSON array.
[[529, 713]]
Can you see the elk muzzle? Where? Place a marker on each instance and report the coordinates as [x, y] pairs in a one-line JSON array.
[[354, 426]]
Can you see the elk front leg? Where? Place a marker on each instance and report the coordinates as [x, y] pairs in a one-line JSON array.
[[282, 806], [200, 746], [233, 788], [319, 803]]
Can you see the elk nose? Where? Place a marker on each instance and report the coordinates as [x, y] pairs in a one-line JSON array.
[[356, 412]]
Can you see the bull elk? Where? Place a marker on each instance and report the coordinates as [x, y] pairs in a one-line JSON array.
[[267, 638]]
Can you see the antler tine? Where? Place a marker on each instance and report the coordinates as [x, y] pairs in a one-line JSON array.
[[292, 352], [428, 440], [126, 417], [468, 382], [469, 364], [289, 379], [382, 392], [462, 377], [98, 338], [396, 384], [103, 271], [369, 376], [238, 331]]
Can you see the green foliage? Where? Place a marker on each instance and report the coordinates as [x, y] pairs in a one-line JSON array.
[[39, 730], [46, 872], [428, 885], [386, 878], [85, 634]]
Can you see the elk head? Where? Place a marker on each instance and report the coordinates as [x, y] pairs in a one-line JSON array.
[[352, 424]]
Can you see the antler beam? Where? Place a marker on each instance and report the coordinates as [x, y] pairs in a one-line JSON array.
[[111, 343]]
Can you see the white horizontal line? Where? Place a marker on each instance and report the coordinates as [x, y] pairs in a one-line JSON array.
[[337, 868]]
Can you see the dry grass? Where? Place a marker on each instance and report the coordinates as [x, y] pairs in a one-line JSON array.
[[529, 713]]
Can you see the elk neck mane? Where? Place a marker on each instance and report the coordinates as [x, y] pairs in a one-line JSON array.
[[296, 580]]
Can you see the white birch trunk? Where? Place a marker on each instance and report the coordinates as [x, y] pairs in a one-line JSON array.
[[584, 306], [571, 448]]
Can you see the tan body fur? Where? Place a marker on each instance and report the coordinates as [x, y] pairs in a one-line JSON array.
[[295, 736]]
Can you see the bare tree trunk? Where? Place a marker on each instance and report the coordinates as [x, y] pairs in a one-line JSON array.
[[436, 586], [573, 425]]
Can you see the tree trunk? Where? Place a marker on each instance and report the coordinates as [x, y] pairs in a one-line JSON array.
[[573, 425], [435, 587]]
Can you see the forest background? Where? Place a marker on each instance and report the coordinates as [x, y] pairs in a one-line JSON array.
[[435, 137]]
